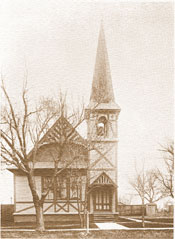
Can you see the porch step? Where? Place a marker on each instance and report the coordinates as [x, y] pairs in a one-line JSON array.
[[104, 218]]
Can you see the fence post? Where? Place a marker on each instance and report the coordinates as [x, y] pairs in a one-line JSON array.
[[131, 210]]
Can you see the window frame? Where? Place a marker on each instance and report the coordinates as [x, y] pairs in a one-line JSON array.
[[68, 189], [101, 120]]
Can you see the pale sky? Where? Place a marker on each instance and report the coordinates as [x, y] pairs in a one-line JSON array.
[[57, 41]]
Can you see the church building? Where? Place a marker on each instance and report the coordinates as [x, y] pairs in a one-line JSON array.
[[97, 167]]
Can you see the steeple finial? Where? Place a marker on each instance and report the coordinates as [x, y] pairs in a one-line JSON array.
[[102, 90]]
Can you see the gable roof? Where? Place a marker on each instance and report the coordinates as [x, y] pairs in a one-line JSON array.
[[60, 131], [61, 128], [103, 179]]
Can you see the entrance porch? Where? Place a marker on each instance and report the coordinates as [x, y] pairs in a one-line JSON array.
[[103, 199], [103, 204]]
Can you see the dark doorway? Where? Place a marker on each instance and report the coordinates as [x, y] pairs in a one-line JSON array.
[[102, 199]]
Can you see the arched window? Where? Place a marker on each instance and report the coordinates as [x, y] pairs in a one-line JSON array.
[[102, 126]]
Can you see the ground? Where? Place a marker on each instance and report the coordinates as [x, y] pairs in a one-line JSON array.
[[95, 234], [125, 228], [122, 221], [150, 222]]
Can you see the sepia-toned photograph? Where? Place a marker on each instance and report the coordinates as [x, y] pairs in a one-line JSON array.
[[87, 144]]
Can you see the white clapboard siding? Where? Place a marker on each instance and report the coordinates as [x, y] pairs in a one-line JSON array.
[[25, 208], [22, 192]]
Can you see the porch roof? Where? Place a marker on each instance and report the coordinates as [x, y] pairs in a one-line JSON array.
[[103, 180]]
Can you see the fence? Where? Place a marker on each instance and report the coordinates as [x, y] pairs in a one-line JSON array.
[[131, 210], [7, 211]]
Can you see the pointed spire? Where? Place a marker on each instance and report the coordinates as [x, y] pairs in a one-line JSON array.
[[102, 90]]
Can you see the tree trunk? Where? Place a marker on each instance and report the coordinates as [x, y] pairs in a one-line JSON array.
[[84, 218], [143, 213], [79, 213], [37, 203], [81, 220], [39, 218]]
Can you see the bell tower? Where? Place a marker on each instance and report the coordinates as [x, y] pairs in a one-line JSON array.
[[101, 116]]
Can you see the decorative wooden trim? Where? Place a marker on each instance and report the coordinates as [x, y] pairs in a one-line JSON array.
[[68, 206], [62, 207], [67, 200], [105, 141], [103, 169], [102, 156], [95, 182], [102, 111], [23, 202], [48, 207], [103, 179], [73, 206], [41, 171], [52, 137], [48, 201], [113, 133], [24, 209], [47, 214]]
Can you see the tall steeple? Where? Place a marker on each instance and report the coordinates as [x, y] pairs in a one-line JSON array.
[[102, 89], [102, 129]]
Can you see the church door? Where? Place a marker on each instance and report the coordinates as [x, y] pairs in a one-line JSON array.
[[102, 199]]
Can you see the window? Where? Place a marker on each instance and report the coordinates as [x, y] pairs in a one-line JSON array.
[[61, 188], [74, 188], [102, 126], [64, 188], [48, 185]]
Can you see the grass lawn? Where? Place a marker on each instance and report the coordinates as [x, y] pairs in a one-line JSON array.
[[130, 233], [104, 234], [149, 222], [48, 225], [147, 225]]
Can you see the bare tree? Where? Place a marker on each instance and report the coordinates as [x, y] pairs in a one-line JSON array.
[[126, 199], [21, 131], [166, 176], [153, 192], [78, 186], [147, 185], [138, 184], [23, 134]]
